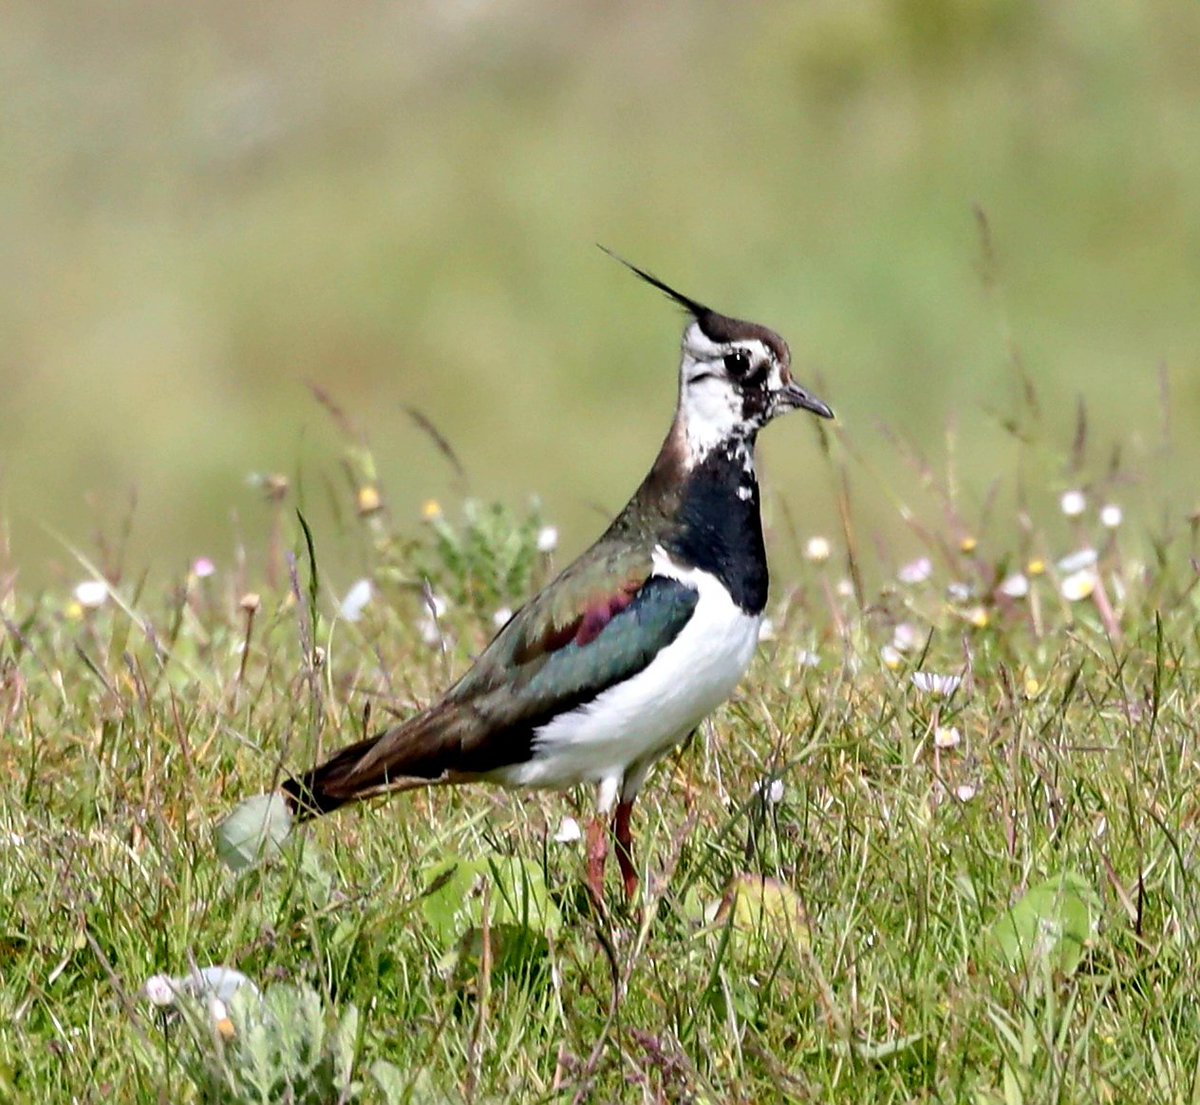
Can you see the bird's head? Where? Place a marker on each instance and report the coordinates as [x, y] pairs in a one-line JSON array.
[[734, 376]]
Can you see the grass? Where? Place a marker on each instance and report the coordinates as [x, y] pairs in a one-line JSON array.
[[893, 938]]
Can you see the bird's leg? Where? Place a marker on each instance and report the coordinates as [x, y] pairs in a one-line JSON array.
[[597, 853], [624, 835]]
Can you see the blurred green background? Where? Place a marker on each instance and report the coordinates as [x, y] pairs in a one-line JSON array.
[[205, 207]]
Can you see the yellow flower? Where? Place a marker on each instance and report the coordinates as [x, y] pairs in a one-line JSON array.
[[431, 510], [1036, 567], [369, 500], [968, 544]]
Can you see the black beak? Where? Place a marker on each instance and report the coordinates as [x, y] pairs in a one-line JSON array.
[[794, 397]]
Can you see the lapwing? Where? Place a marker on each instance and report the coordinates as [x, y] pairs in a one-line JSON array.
[[620, 657]]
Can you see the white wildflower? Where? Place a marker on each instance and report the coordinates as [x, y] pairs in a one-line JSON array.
[[1111, 516], [818, 549], [547, 539], [947, 736], [906, 637], [771, 790], [964, 792], [160, 990], [1077, 561], [431, 634], [959, 592], [203, 567], [356, 600], [938, 686], [916, 571], [1079, 585], [890, 655], [568, 831], [844, 589], [1015, 586], [501, 616], [1073, 503], [806, 658], [91, 593]]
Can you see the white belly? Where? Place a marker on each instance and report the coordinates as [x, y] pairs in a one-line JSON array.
[[639, 720]]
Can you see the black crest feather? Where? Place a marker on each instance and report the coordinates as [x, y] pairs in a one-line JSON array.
[[686, 302], [718, 327]]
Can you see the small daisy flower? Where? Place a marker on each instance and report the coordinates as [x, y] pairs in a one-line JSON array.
[[356, 600], [1079, 585], [547, 539], [817, 549], [916, 571], [203, 567], [368, 500], [959, 592], [1111, 516], [978, 617], [1073, 503], [906, 637], [772, 791], [947, 736], [1077, 561], [937, 686], [1015, 586], [160, 990], [806, 658], [568, 831], [891, 657], [430, 633], [91, 593], [844, 589], [501, 616], [964, 792]]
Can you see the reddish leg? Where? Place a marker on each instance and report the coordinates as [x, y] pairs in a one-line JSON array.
[[624, 835], [597, 853]]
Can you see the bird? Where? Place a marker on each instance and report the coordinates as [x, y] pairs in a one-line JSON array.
[[619, 658]]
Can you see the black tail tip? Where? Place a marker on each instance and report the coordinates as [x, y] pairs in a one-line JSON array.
[[306, 801]]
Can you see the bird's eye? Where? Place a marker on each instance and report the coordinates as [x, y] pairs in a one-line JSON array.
[[737, 362]]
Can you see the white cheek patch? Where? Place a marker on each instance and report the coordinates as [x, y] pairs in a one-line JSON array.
[[712, 412]]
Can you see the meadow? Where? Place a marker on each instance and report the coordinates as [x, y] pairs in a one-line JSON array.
[[940, 846], [309, 371]]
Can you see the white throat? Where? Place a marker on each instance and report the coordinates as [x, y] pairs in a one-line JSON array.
[[711, 412]]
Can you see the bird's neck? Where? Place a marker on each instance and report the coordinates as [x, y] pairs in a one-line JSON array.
[[704, 512]]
